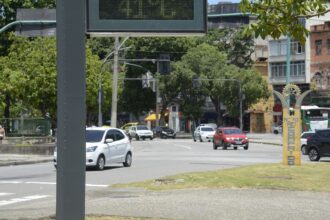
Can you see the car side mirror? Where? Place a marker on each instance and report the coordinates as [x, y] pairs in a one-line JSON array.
[[108, 140]]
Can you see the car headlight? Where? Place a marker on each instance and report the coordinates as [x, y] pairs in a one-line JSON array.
[[229, 138], [91, 149], [246, 138]]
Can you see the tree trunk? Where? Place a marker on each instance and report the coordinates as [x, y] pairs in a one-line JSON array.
[[7, 107]]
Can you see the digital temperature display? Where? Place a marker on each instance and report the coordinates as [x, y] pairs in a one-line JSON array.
[[146, 17], [147, 9]]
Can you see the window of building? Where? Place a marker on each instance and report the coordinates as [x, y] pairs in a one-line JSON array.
[[318, 47], [278, 70], [297, 48], [283, 45], [277, 48]]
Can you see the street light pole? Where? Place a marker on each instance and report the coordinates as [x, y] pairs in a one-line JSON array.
[[114, 85]]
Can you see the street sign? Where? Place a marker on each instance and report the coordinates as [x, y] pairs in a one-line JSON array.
[[146, 17], [37, 29]]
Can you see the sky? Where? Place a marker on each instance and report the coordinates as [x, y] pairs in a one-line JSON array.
[[216, 1]]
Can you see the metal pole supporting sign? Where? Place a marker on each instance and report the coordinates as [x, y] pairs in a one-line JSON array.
[[71, 110]]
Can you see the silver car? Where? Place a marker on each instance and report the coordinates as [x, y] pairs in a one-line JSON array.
[[203, 133], [105, 146]]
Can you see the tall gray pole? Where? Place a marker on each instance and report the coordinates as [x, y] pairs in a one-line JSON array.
[[157, 104], [240, 107], [157, 95], [100, 122], [71, 109], [115, 85]]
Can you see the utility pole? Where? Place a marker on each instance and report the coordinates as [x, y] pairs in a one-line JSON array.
[[157, 94], [115, 85]]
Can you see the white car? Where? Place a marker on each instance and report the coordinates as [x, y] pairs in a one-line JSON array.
[[105, 146], [303, 141], [203, 133], [140, 132]]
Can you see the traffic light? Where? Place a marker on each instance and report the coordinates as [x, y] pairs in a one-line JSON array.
[[164, 64]]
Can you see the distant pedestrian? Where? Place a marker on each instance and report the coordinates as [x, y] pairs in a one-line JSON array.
[[2, 133]]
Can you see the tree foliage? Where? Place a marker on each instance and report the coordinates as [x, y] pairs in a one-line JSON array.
[[282, 17], [234, 43], [217, 79], [136, 99], [29, 73]]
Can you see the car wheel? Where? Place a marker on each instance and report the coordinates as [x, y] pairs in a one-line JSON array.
[[275, 131], [246, 148], [100, 163], [215, 147], [235, 148], [137, 137], [313, 154], [128, 160], [143, 138], [303, 149], [151, 138]]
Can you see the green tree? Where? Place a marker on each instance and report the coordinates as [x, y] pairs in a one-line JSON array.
[[215, 76], [136, 99], [282, 17], [237, 45], [29, 76]]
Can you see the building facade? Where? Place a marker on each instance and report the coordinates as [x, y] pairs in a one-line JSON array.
[[309, 64], [320, 63]]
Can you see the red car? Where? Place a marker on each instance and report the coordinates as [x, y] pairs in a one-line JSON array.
[[230, 137]]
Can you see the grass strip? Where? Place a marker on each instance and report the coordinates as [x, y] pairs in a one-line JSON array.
[[307, 177]]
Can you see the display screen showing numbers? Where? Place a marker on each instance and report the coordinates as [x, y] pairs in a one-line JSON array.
[[146, 9], [146, 17]]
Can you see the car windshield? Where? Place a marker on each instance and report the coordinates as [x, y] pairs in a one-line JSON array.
[[232, 131], [142, 128], [94, 135], [207, 129]]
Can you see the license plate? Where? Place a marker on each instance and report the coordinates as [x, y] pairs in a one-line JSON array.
[[238, 142]]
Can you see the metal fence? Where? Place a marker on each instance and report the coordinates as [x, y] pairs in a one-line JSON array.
[[32, 127]]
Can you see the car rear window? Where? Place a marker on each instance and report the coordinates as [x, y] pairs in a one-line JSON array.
[[207, 129], [94, 135], [142, 128], [232, 131]]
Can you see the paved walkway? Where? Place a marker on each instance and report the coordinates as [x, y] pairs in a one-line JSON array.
[[211, 204]]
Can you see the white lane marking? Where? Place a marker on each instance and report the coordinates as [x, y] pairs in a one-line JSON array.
[[47, 183], [40, 183], [23, 199], [96, 185], [5, 194], [10, 182], [183, 146]]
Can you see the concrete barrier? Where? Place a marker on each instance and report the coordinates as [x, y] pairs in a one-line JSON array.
[[37, 149]]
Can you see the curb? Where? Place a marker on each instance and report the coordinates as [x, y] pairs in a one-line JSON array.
[[14, 163], [266, 143]]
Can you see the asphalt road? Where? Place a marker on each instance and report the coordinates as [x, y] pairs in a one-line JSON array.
[[29, 191]]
